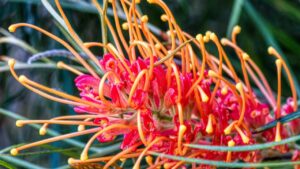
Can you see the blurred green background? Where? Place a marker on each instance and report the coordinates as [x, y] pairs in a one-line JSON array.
[[263, 22]]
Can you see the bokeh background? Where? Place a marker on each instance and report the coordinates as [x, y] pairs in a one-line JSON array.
[[263, 22]]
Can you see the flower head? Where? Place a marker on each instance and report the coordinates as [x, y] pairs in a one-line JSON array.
[[159, 96]]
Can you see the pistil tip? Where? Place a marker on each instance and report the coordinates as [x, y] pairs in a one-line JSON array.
[[22, 78], [145, 18], [223, 41], [149, 160], [59, 64], [239, 86], [81, 128], [182, 129], [19, 123], [157, 46], [245, 56], [11, 62], [213, 36], [231, 143], [167, 165], [11, 28], [42, 131], [211, 73], [278, 62], [271, 50], [237, 29], [224, 91], [71, 161], [150, 1], [164, 17], [14, 152], [125, 26], [199, 37]]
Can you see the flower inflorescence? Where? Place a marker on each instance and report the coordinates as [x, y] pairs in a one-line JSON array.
[[158, 94]]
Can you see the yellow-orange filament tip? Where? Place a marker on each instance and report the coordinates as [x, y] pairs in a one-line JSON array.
[[149, 160], [245, 56], [11, 28], [271, 50], [237, 29], [278, 135], [223, 41], [125, 26], [145, 18], [19, 123], [71, 161], [239, 86], [209, 128], [157, 46], [164, 17], [231, 143], [278, 62], [11, 62], [42, 131], [182, 129], [59, 64], [150, 1], [168, 165], [212, 74], [14, 152], [22, 79], [245, 139], [213, 36], [199, 37], [224, 90], [81, 128]]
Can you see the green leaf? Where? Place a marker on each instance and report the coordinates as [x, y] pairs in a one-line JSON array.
[[235, 15], [282, 120], [246, 147], [227, 164], [6, 165], [14, 41]]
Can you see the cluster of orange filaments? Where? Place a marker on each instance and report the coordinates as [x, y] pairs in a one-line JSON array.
[[158, 94]]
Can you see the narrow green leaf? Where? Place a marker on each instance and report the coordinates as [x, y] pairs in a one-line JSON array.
[[246, 147], [19, 162], [18, 42], [19, 66], [6, 165], [227, 164], [235, 15]]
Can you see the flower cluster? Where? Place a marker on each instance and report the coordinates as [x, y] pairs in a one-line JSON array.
[[160, 97]]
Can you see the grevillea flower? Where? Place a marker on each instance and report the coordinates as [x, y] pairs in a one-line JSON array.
[[160, 97]]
